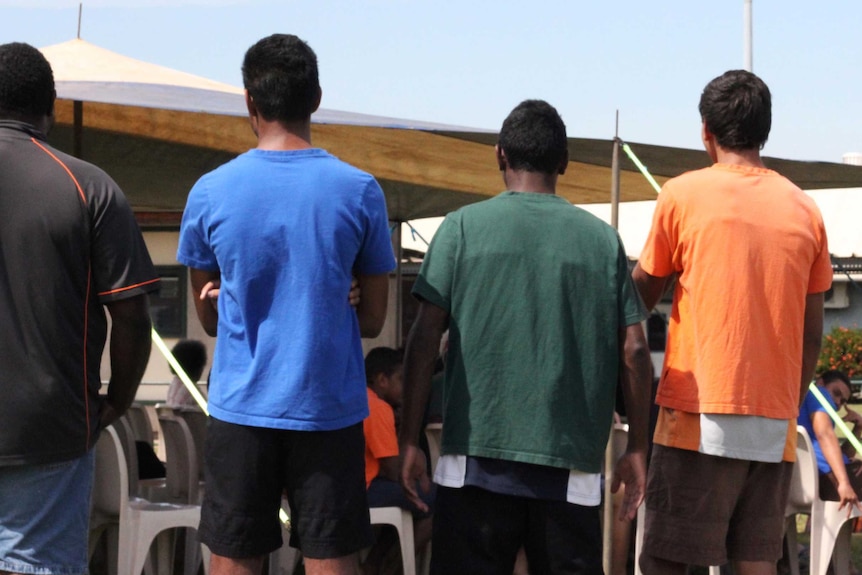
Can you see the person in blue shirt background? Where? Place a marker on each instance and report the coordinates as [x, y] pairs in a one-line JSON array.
[[840, 474]]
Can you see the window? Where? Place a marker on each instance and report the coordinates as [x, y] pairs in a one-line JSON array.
[[168, 305]]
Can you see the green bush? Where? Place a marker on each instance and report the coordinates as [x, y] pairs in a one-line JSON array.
[[842, 350]]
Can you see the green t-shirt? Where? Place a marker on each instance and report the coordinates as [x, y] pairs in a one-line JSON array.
[[537, 291]]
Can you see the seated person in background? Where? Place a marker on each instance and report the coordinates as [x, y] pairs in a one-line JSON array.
[[192, 357], [840, 477], [383, 374]]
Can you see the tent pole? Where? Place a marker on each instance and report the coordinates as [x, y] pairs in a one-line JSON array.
[[77, 127], [608, 508], [399, 311], [615, 176]]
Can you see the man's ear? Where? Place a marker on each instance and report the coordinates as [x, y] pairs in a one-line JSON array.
[[319, 98], [380, 381], [564, 164], [501, 158]]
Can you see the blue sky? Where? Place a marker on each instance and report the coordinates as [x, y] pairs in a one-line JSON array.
[[469, 62]]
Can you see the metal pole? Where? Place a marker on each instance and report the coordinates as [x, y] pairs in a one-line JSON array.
[[608, 510], [615, 178], [77, 128], [399, 311], [747, 36]]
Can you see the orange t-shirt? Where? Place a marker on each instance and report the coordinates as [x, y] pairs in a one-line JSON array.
[[380, 438], [747, 246]]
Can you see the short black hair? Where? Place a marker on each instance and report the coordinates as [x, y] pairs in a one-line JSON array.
[[192, 357], [383, 360], [533, 137], [280, 74], [831, 375], [26, 82], [737, 110]]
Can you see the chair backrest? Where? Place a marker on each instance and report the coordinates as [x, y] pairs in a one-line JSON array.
[[804, 485], [181, 467], [111, 481], [142, 429], [126, 436], [197, 422]]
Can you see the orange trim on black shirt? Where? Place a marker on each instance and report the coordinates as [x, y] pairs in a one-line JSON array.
[[64, 166], [122, 289], [86, 300]]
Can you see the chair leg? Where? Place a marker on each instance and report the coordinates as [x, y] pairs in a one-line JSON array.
[[790, 537]]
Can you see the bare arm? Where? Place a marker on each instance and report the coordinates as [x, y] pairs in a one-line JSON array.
[[828, 441], [371, 309], [812, 336], [389, 468], [651, 288], [129, 351], [419, 358], [636, 385], [205, 287]]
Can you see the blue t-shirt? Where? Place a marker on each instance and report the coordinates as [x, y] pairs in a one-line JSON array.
[[286, 229], [809, 407]]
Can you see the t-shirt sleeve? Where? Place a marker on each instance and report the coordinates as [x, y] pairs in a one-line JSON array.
[[121, 264], [375, 254], [657, 256], [820, 279], [379, 430], [631, 307], [434, 282], [194, 249]]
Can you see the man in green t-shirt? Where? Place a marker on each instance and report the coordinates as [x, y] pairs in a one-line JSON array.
[[544, 323]]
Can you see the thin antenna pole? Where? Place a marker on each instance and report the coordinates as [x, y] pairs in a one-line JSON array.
[[747, 36], [80, 9]]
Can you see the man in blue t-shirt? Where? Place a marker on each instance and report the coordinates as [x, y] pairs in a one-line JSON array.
[[273, 239], [840, 477]]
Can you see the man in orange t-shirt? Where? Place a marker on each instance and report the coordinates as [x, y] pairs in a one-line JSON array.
[[747, 250]]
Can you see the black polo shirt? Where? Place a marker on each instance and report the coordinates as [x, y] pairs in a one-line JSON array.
[[68, 244]]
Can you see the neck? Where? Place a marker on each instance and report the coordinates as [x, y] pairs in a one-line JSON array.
[[278, 136], [530, 182], [748, 158]]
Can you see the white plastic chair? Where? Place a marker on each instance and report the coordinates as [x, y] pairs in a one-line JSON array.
[[402, 520], [137, 522], [830, 528], [141, 425]]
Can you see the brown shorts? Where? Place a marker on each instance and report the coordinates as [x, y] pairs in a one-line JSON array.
[[706, 510]]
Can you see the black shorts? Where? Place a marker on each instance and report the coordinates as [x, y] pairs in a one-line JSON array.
[[480, 532], [322, 472]]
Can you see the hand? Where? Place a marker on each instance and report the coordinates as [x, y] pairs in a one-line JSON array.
[[848, 498], [107, 413], [354, 293], [413, 471], [210, 292], [852, 417], [630, 471]]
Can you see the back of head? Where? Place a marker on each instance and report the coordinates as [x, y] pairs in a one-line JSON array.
[[192, 357], [383, 360], [737, 110], [280, 74], [26, 83], [533, 137]]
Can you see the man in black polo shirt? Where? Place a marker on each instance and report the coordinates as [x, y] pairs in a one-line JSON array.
[[69, 247]]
